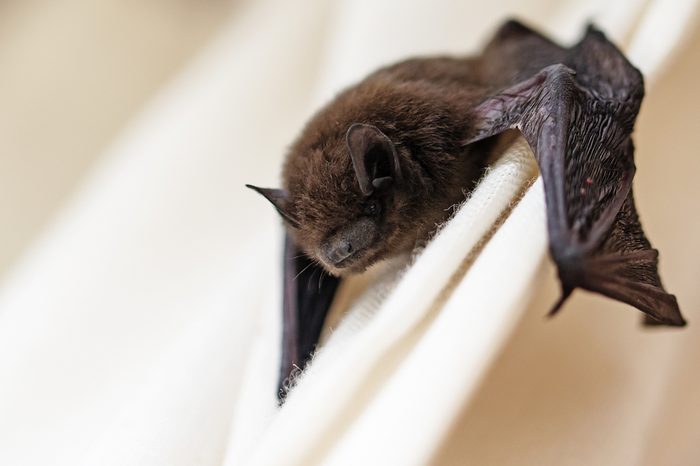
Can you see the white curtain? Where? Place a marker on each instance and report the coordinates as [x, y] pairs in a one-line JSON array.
[[142, 328]]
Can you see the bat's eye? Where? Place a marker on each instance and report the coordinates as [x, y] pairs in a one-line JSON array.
[[372, 208]]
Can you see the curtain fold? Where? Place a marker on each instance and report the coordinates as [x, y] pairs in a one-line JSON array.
[[141, 329]]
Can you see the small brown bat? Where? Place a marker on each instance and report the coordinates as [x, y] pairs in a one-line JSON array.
[[376, 169]]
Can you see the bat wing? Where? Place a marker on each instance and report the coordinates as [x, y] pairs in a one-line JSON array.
[[577, 112], [308, 294]]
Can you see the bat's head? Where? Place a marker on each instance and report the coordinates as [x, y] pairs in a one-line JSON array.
[[346, 203], [372, 174]]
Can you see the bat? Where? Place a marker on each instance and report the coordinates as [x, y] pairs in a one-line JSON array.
[[378, 167]]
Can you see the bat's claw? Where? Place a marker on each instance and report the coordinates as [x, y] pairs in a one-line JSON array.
[[565, 293]]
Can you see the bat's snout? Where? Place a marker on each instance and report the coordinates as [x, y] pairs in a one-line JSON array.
[[339, 251], [345, 249]]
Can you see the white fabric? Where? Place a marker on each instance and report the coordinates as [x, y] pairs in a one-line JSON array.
[[138, 330]]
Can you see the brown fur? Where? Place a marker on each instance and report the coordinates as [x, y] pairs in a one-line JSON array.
[[417, 104]]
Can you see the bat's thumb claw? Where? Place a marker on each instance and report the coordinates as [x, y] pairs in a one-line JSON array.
[[565, 293]]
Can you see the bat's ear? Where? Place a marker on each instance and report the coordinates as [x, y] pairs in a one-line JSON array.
[[280, 199], [374, 158]]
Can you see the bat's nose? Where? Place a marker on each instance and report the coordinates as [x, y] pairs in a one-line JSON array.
[[348, 245], [338, 251]]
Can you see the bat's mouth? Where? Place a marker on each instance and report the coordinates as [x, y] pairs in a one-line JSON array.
[[344, 263], [356, 263], [350, 264]]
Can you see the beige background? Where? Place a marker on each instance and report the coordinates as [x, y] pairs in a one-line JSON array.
[[72, 74], [124, 333]]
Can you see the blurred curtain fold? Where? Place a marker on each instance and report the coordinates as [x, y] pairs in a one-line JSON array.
[[141, 328]]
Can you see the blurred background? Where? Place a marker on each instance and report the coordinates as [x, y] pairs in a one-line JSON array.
[[72, 73], [127, 131]]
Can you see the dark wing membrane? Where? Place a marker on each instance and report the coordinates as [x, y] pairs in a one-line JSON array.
[[308, 295], [577, 114]]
